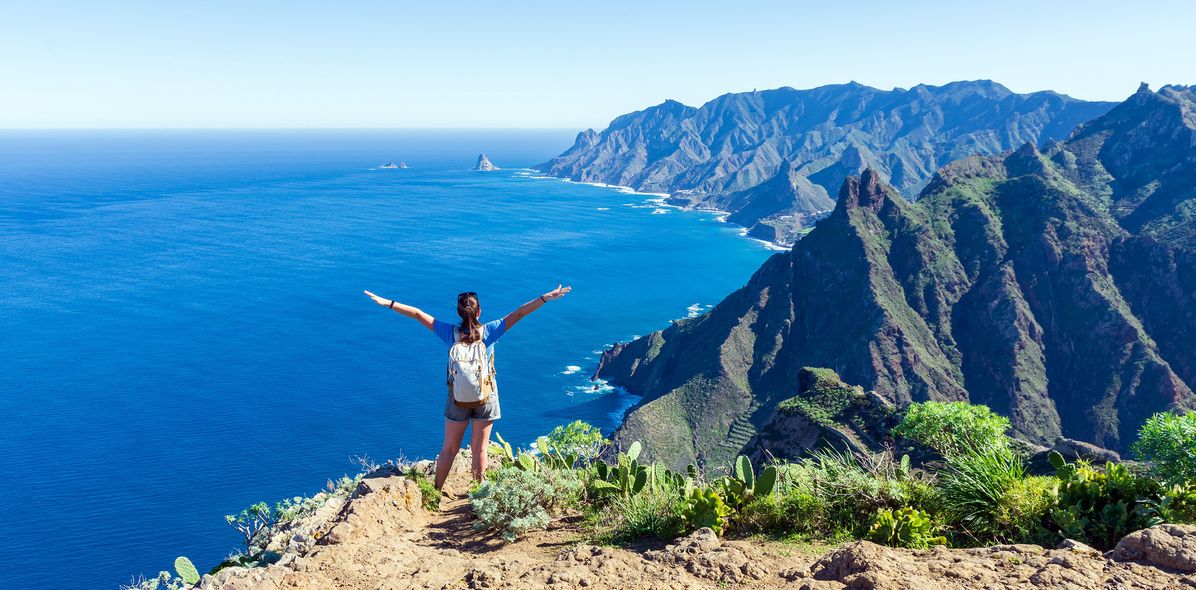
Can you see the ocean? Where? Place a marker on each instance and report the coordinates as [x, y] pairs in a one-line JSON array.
[[183, 330]]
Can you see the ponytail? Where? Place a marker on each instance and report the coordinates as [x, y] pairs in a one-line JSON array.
[[468, 309]]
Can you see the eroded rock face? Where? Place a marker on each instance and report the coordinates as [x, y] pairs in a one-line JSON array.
[[866, 565], [704, 555], [373, 527], [1168, 546]]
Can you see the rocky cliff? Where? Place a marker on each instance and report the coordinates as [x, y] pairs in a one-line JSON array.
[[774, 157], [1028, 281]]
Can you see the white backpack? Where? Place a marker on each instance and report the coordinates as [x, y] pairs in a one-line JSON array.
[[470, 374]]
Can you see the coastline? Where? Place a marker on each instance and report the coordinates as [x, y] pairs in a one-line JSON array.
[[598, 385], [659, 201]]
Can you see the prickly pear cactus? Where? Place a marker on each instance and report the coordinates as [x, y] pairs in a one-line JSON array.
[[527, 462], [641, 479], [508, 452], [766, 482], [633, 451], [186, 570], [744, 471], [1055, 458]]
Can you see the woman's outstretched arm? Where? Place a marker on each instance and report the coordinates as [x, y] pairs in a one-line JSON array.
[[414, 313], [514, 317]]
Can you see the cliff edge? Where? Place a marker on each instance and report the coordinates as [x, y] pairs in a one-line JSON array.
[[382, 537]]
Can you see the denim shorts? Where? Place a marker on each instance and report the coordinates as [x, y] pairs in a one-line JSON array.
[[486, 411]]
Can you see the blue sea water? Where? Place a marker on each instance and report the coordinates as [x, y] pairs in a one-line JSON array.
[[183, 330]]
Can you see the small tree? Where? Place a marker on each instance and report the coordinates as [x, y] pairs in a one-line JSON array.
[[250, 521], [578, 437], [952, 428], [1168, 441]]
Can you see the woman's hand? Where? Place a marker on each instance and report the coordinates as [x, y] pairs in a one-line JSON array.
[[557, 293], [414, 313], [378, 300]]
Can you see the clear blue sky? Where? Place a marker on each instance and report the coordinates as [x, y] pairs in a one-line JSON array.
[[210, 63]]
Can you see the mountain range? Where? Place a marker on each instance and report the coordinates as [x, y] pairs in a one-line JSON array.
[[1057, 287], [773, 159]]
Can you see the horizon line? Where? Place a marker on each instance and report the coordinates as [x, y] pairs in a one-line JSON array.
[[296, 128]]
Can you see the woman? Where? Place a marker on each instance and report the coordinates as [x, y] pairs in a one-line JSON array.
[[470, 330]]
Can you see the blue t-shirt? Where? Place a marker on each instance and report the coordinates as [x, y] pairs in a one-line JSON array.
[[491, 332]]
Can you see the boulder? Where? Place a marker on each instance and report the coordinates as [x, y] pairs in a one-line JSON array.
[[1167, 546]]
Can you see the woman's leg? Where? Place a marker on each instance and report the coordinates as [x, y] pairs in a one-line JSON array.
[[453, 433], [479, 443]]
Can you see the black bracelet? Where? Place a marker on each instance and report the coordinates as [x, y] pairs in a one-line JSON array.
[[543, 300], [392, 304]]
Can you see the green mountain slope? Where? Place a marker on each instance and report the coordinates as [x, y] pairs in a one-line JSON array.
[[1019, 281]]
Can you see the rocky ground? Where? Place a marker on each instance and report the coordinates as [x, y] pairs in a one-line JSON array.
[[381, 538]]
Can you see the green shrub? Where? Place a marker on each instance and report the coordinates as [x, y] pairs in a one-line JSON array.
[[252, 521], [517, 501], [163, 581], [1098, 508], [975, 488], [1023, 507], [654, 513], [855, 486], [705, 508], [1168, 441], [952, 428], [904, 527], [797, 511], [826, 400], [583, 439], [344, 486], [764, 515], [289, 509], [1178, 505], [429, 495]]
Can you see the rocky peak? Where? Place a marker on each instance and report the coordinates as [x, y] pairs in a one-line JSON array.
[[1025, 160], [1146, 147], [587, 137], [867, 190]]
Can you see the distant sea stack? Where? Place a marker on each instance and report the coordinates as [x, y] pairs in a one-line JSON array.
[[484, 164]]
